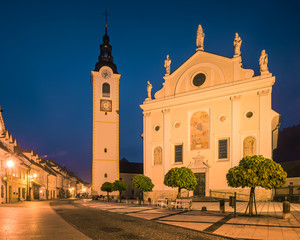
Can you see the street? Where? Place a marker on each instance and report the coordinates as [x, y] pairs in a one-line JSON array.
[[66, 220]]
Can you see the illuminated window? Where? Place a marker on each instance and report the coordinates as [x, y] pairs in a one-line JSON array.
[[105, 90], [178, 153]]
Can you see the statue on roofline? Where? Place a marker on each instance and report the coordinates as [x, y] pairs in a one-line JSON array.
[[263, 62], [200, 38], [149, 88], [237, 42], [167, 65]]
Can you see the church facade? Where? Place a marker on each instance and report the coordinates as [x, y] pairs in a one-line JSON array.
[[105, 83], [209, 114]]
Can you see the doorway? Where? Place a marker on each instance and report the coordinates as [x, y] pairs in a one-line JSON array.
[[200, 187], [9, 194]]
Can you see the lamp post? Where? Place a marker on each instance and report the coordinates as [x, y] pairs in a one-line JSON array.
[[9, 165]]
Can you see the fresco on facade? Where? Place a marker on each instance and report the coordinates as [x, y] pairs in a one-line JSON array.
[[199, 131], [157, 156], [249, 146]]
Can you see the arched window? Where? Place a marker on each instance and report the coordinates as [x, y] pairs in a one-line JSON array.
[[105, 90], [249, 146], [199, 131]]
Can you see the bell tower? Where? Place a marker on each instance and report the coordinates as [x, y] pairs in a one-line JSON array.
[[105, 83]]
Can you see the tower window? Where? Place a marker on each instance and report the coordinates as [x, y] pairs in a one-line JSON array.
[[105, 175], [105, 150], [105, 90]]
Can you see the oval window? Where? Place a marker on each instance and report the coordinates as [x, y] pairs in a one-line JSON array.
[[249, 114], [199, 79], [157, 128]]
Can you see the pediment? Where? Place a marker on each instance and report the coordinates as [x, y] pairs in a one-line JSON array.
[[199, 162], [217, 70]]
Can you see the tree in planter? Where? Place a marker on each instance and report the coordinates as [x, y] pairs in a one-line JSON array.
[[256, 171], [120, 186], [182, 178], [143, 183], [107, 187]]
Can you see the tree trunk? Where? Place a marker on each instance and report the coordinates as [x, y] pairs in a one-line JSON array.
[[108, 196], [120, 196], [179, 193], [140, 198], [251, 200]]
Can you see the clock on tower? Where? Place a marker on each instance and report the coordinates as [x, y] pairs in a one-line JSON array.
[[105, 83]]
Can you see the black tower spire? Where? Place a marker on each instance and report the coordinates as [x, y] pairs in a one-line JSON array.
[[105, 58]]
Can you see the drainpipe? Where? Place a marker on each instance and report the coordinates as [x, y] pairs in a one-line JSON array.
[[47, 191]]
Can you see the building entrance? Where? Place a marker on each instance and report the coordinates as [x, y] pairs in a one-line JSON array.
[[36, 190], [200, 188]]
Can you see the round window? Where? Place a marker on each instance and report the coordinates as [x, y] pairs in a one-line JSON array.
[[156, 128], [249, 114], [199, 79], [222, 118]]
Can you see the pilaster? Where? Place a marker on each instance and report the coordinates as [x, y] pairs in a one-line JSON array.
[[166, 140], [236, 125], [265, 136], [147, 145]]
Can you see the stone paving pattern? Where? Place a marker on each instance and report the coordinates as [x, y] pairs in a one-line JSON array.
[[267, 225]]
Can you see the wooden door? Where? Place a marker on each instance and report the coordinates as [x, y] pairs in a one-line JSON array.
[[200, 187]]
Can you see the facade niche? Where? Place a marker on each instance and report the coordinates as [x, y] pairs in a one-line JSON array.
[[158, 156], [249, 146]]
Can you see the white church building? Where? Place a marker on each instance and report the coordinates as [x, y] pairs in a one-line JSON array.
[[209, 114]]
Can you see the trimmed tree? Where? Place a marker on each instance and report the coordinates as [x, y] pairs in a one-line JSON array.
[[107, 187], [256, 171], [120, 186], [181, 178], [143, 183]]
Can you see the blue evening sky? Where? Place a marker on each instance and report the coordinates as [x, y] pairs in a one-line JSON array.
[[48, 48]]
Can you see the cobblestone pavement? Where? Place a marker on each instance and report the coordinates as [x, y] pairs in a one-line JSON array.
[[34, 220], [109, 225], [267, 225]]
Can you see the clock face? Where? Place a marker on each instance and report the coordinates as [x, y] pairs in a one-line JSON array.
[[105, 73], [105, 105]]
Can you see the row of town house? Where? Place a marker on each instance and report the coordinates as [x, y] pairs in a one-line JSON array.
[[27, 176]]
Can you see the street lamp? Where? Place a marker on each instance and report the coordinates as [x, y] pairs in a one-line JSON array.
[[9, 165]]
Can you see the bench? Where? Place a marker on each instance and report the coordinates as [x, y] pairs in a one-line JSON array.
[[184, 204], [163, 202]]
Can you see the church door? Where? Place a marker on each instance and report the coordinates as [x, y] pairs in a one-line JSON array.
[[200, 188]]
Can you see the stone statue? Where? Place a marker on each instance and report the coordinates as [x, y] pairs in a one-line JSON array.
[[200, 38], [149, 88], [237, 42], [263, 62], [167, 65]]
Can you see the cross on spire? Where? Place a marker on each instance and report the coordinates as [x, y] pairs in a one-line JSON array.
[[105, 15]]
